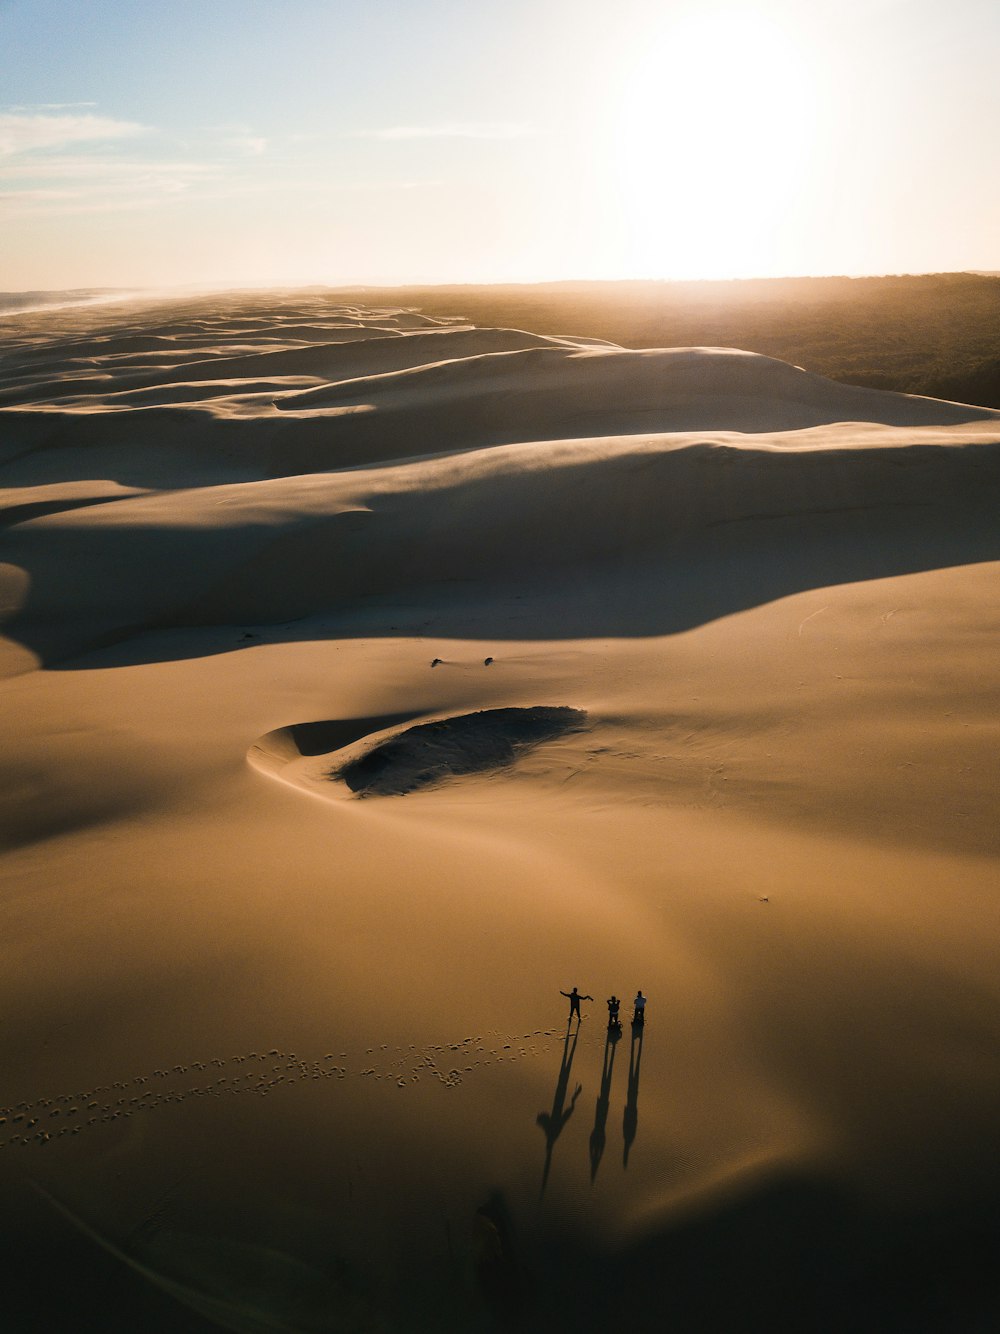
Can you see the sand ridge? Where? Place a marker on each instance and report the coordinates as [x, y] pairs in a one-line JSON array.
[[270, 551]]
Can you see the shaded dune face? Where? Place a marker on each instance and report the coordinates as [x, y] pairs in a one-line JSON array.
[[550, 389], [394, 754], [270, 392], [470, 743], [274, 752], [714, 520]]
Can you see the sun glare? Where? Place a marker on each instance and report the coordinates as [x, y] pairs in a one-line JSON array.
[[709, 145]]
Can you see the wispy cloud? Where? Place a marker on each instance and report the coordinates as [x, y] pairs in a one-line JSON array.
[[41, 195], [49, 106], [86, 181], [77, 163], [86, 187], [25, 132], [472, 129], [87, 167], [239, 138], [250, 145]]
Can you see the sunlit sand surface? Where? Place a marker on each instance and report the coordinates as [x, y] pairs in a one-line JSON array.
[[371, 679]]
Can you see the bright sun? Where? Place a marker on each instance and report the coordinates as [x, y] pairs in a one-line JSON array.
[[709, 148]]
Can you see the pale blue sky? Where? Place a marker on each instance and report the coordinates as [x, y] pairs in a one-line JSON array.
[[222, 141]]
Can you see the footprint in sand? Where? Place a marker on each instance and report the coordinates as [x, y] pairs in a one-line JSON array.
[[72, 1108]]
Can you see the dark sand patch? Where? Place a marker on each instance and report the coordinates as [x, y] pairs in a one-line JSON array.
[[470, 743]]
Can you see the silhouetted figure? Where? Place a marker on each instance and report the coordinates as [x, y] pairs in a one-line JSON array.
[[630, 1122], [574, 999], [614, 1005], [598, 1135], [498, 1275], [552, 1122], [639, 1009]]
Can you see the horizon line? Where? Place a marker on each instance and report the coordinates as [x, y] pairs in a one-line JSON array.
[[236, 285]]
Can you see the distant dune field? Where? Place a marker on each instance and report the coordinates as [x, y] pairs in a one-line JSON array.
[[370, 678]]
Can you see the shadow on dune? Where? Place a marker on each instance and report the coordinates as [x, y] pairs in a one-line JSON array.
[[273, 751], [160, 1280], [793, 1253], [499, 1278], [630, 1119], [648, 539], [553, 1122], [35, 509], [470, 743], [598, 1136], [378, 401]]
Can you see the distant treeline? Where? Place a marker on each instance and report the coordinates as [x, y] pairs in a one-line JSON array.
[[934, 334], [38, 300]]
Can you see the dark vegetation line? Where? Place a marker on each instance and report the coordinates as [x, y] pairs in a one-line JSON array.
[[11, 302], [933, 334]]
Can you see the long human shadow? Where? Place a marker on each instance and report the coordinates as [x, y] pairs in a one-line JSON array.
[[553, 1122], [630, 1122], [598, 1136]]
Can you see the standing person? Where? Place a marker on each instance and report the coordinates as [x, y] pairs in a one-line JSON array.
[[639, 1009], [614, 1004], [574, 999]]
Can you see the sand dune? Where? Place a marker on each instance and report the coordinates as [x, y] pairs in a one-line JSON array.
[[714, 520], [371, 679], [702, 388], [335, 394], [358, 353]]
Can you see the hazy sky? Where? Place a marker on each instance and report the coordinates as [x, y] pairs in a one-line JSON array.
[[228, 141]]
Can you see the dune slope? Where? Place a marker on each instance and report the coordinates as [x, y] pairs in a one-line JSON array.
[[371, 679]]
